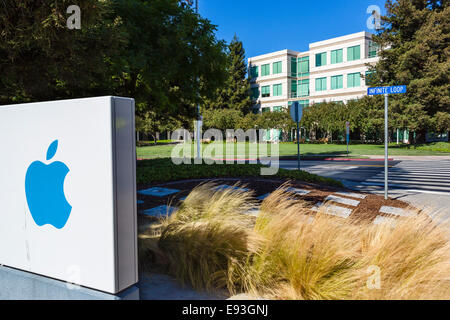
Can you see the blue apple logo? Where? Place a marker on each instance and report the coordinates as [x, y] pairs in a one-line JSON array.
[[44, 188]]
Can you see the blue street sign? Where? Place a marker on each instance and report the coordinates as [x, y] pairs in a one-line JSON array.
[[386, 90], [296, 112]]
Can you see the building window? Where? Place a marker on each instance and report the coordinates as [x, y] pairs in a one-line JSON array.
[[265, 70], [255, 93], [264, 110], [369, 78], [303, 88], [293, 67], [321, 59], [277, 90], [321, 84], [373, 49], [277, 109], [337, 56], [353, 80], [277, 67], [337, 82], [303, 67], [354, 53], [254, 72], [293, 88], [265, 91]]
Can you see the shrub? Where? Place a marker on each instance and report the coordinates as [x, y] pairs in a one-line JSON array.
[[209, 237]]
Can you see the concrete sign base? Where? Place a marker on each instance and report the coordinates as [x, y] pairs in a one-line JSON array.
[[20, 285]]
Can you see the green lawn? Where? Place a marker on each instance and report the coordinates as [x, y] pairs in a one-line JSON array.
[[162, 170], [246, 150]]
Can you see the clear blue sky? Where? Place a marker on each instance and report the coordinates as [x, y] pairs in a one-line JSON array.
[[265, 26]]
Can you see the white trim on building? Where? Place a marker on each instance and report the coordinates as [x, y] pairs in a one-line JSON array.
[[294, 82]]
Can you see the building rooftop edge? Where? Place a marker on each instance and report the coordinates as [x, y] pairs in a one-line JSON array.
[[311, 45]]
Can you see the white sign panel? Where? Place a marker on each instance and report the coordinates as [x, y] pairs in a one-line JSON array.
[[68, 191]]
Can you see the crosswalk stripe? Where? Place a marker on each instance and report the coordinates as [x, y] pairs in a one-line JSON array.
[[425, 177]]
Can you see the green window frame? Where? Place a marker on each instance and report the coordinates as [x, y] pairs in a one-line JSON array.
[[353, 80], [255, 93], [321, 59], [321, 84], [265, 91], [303, 67], [293, 67], [254, 72], [337, 56], [337, 82], [303, 88], [265, 70], [373, 49], [354, 53], [277, 90], [264, 110], [293, 88], [277, 67]]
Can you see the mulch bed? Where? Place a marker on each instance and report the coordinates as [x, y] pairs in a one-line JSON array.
[[367, 210]]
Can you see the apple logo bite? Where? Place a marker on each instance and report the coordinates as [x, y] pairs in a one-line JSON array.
[[44, 188]]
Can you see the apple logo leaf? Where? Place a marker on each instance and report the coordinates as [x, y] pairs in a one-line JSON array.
[[52, 149]]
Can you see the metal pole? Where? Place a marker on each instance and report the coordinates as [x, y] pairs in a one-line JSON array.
[[198, 111], [298, 136], [386, 142], [298, 146]]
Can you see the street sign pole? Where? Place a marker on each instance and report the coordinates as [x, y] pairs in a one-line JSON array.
[[386, 91], [347, 129], [296, 115], [386, 147]]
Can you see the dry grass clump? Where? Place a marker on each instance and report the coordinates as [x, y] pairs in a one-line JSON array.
[[286, 253], [413, 259], [331, 258], [209, 237], [304, 257]]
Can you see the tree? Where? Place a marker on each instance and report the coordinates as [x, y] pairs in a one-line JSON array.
[[415, 37], [42, 59], [235, 94], [171, 57], [158, 52], [151, 123], [222, 119], [278, 119]]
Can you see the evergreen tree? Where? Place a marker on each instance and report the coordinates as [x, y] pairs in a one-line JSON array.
[[239, 86], [415, 37], [235, 94]]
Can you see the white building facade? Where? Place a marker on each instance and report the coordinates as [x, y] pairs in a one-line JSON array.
[[332, 70]]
